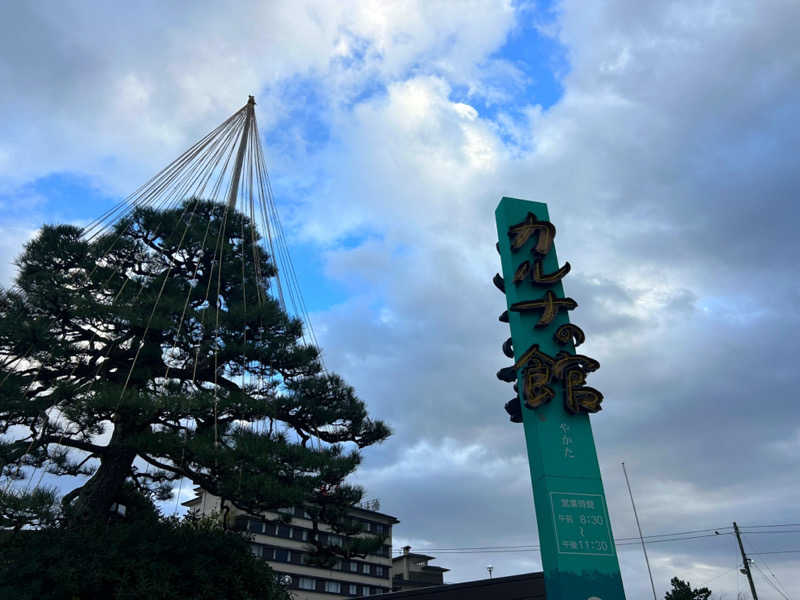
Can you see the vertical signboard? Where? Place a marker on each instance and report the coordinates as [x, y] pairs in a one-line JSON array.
[[553, 402]]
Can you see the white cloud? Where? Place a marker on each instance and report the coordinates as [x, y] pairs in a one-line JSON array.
[[631, 162], [11, 240], [668, 167], [80, 77]]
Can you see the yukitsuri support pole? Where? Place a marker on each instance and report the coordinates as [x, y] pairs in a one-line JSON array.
[[578, 553], [237, 168]]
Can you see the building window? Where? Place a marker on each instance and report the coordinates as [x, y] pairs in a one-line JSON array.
[[353, 566], [304, 535], [365, 568], [365, 590], [282, 555], [378, 528], [307, 583], [335, 540], [353, 589], [255, 526], [269, 528], [333, 586], [379, 571], [255, 549], [283, 531]]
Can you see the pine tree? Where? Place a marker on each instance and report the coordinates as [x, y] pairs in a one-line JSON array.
[[682, 590], [156, 352]]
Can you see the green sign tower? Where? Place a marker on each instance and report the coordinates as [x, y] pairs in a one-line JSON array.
[[553, 403]]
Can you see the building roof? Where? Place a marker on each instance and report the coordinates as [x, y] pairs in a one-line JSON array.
[[192, 501], [414, 555], [434, 568], [529, 586], [367, 511], [357, 509]]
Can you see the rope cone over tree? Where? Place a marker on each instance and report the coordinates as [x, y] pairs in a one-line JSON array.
[[151, 349]]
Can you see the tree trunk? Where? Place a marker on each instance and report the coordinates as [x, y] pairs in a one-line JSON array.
[[105, 486]]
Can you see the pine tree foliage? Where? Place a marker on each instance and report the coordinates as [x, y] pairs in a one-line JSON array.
[[155, 352], [28, 508], [682, 590]]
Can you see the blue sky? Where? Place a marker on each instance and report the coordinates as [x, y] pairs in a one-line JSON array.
[[537, 62], [662, 137]]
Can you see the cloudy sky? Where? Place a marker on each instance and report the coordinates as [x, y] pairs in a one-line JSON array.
[[662, 137]]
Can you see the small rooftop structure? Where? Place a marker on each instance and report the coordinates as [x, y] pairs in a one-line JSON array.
[[411, 571]]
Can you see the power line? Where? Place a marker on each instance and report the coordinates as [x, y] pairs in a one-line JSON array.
[[681, 539], [769, 532], [616, 540], [764, 526], [651, 539], [725, 572], [536, 548], [775, 577], [680, 532], [770, 582]]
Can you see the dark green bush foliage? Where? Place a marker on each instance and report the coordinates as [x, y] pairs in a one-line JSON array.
[[151, 557]]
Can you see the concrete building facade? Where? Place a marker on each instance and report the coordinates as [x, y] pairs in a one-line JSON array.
[[285, 547]]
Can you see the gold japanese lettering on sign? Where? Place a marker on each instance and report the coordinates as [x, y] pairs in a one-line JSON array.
[[535, 370], [569, 333], [549, 305], [571, 370], [520, 233], [536, 274], [540, 370]]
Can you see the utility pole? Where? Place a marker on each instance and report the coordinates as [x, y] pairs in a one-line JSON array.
[[639, 527], [746, 562]]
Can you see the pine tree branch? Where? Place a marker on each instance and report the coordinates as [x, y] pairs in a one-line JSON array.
[[46, 440], [206, 375], [172, 469]]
